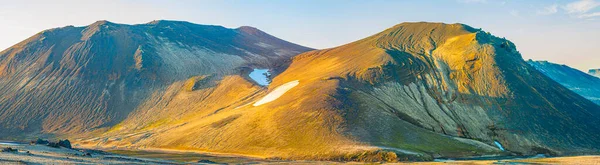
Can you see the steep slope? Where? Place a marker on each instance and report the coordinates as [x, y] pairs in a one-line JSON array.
[[74, 80], [414, 91], [581, 83]]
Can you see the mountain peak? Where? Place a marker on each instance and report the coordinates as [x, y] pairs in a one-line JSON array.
[[431, 29], [428, 24], [420, 37], [101, 22], [156, 22], [94, 28], [250, 30]]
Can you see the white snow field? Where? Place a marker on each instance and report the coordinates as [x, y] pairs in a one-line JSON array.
[[277, 92]]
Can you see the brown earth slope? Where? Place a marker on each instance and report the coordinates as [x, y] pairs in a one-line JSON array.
[[416, 90], [72, 80]]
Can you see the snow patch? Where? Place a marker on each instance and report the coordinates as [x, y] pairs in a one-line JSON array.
[[277, 92]]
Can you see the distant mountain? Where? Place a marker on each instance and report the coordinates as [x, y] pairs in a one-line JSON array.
[[577, 81], [594, 72], [77, 80], [413, 91]]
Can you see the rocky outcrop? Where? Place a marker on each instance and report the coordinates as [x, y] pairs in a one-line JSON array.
[[9, 149], [65, 143], [60, 143]]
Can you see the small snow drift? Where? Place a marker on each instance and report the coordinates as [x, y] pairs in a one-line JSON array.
[[260, 76], [278, 92]]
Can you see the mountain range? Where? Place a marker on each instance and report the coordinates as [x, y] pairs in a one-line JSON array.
[[579, 82], [414, 91]]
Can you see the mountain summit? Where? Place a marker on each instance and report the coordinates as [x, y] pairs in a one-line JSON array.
[[79, 79]]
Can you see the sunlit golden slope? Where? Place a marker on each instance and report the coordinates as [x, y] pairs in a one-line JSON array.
[[414, 91]]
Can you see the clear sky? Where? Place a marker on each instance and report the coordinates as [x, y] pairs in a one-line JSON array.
[[561, 31]]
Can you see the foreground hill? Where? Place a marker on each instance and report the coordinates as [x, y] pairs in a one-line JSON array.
[[579, 82], [73, 80], [413, 91]]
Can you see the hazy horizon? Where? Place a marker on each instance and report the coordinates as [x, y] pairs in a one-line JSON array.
[[561, 31]]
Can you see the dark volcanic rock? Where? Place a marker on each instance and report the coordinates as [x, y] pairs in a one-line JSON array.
[[53, 144], [9, 149], [207, 161], [41, 141], [65, 143]]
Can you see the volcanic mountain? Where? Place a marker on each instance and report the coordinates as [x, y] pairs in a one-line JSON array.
[[413, 91], [579, 82], [74, 80]]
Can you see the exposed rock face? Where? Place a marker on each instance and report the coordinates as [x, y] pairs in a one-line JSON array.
[[417, 89], [65, 143], [579, 82], [74, 80], [594, 72]]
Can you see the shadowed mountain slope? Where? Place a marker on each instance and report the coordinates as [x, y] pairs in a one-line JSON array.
[[413, 91], [579, 82], [74, 80]]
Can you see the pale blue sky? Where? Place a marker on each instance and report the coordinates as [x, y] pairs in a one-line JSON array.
[[561, 31]]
